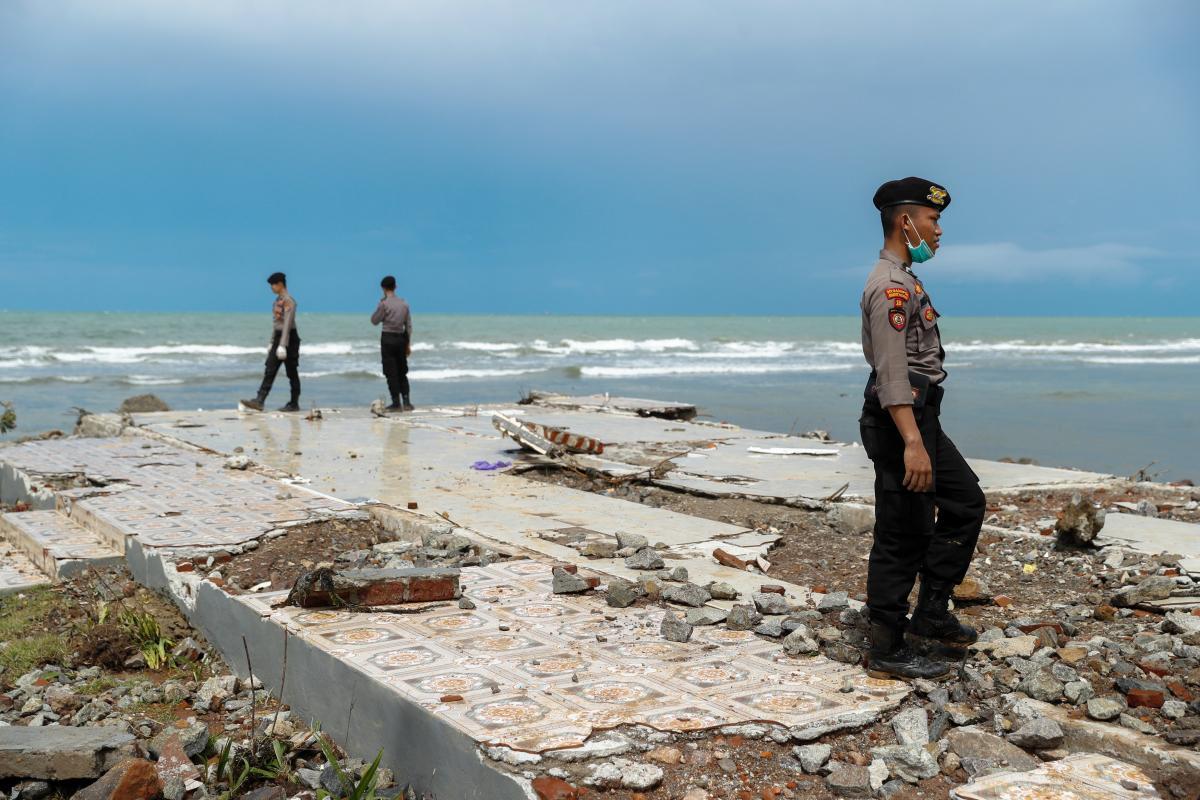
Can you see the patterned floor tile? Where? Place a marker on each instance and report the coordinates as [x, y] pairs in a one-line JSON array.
[[53, 542], [537, 670]]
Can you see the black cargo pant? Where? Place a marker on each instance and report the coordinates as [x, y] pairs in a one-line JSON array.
[[291, 365], [393, 350], [932, 533]]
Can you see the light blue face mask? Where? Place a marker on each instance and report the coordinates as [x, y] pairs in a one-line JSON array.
[[922, 252]]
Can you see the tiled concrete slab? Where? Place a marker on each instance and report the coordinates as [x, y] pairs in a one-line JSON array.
[[1084, 776], [538, 671], [17, 572], [163, 495], [57, 545]]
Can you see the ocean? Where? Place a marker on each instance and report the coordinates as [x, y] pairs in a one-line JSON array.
[[1109, 394]]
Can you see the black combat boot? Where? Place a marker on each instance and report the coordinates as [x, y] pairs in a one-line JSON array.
[[292, 405], [890, 658], [932, 621], [255, 404], [408, 406], [395, 406]]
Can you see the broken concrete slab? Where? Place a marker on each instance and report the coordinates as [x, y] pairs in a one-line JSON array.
[[59, 753], [604, 403], [1150, 536], [326, 588], [1086, 776]]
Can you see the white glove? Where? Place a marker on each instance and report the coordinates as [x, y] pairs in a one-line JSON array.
[[281, 353]]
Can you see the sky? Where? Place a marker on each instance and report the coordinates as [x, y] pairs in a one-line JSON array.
[[596, 156]]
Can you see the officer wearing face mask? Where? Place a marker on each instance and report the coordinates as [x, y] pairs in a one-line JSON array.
[[928, 504]]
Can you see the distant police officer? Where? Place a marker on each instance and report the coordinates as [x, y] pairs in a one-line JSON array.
[[284, 347], [928, 504]]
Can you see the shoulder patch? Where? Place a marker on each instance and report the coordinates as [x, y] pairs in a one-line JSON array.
[[898, 318], [897, 294], [929, 313]]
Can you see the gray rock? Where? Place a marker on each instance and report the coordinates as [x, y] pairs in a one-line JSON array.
[[634, 540], [600, 549], [706, 615], [674, 628], [1079, 521], [466, 603], [1042, 685], [812, 756], [622, 593], [849, 780], [771, 603], [1174, 709], [624, 774], [743, 617], [193, 739], [843, 652], [834, 601], [1156, 587], [1135, 724], [1105, 708], [972, 743], [911, 726], [879, 772], [566, 583], [309, 777], [687, 594], [1079, 691], [645, 558], [891, 788], [100, 425], [722, 591], [852, 519], [678, 574], [910, 763], [214, 691], [1037, 734], [30, 790], [62, 753], [800, 643], [772, 627]]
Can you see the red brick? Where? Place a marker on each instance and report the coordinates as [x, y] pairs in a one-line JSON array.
[[412, 505], [1144, 698], [548, 788], [1058, 628], [452, 698], [184, 566], [571, 568], [381, 587], [729, 559], [820, 588], [771, 588], [1003, 600], [1179, 690]]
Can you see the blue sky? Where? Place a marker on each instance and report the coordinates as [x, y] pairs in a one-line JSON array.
[[594, 157]]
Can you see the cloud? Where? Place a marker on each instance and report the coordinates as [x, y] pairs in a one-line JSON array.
[[1009, 262]]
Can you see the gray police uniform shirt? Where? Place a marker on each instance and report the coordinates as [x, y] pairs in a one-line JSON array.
[[899, 330], [283, 313], [394, 313]]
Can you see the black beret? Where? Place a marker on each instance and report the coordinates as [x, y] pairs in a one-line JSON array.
[[916, 191]]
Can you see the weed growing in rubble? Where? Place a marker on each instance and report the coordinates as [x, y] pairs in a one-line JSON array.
[[278, 766], [8, 419], [226, 771], [144, 629], [361, 789]]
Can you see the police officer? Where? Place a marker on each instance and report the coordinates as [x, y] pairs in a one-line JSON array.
[[928, 504], [284, 347]]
